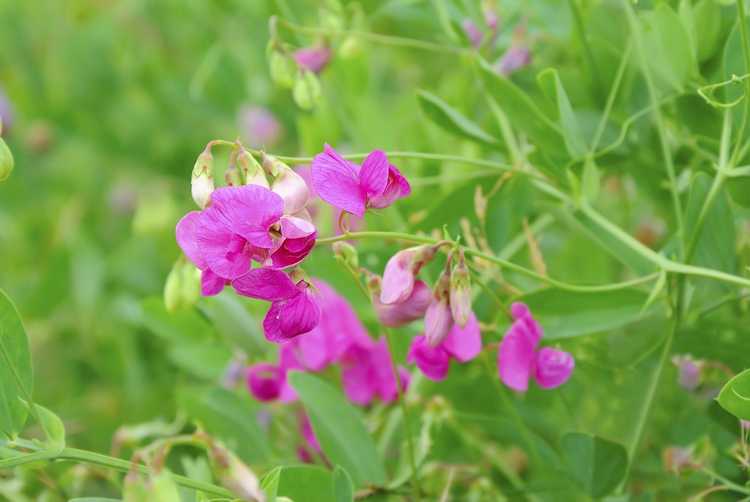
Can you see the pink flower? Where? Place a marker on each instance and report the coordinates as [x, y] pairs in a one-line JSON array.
[[473, 33], [352, 188], [515, 58], [461, 344], [689, 371], [314, 59], [258, 126], [241, 224], [265, 381], [306, 452], [519, 360], [293, 310], [367, 373], [400, 271], [411, 309]]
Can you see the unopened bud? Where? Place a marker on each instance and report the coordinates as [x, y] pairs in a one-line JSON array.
[[306, 90], [347, 254], [6, 161], [234, 474], [398, 277], [202, 180], [460, 292], [250, 169], [289, 185], [438, 320], [232, 176], [283, 68], [182, 287]]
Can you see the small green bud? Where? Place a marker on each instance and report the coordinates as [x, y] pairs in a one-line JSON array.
[[6, 161], [172, 295], [346, 254], [283, 68], [251, 169], [202, 179], [306, 91], [183, 286]]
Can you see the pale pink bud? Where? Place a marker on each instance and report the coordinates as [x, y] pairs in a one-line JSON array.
[[398, 277], [292, 188], [411, 309], [438, 319], [313, 59], [460, 292], [202, 179], [689, 371]]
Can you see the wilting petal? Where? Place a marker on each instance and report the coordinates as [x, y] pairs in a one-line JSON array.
[[265, 284], [411, 309], [187, 239], [211, 284], [438, 321], [250, 211], [265, 381], [553, 367], [434, 362], [515, 358], [373, 175], [336, 181], [396, 188], [398, 277], [291, 317], [464, 343]]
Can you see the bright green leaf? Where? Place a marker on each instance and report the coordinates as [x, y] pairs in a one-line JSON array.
[[451, 119], [343, 488], [596, 464], [307, 483], [668, 48], [735, 396], [339, 428], [574, 141], [16, 376], [53, 427]]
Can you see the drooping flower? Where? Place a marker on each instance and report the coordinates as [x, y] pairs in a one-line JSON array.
[[400, 271], [353, 188], [367, 373], [461, 344], [438, 320], [314, 59], [399, 314], [519, 360], [293, 310], [258, 126], [241, 224], [460, 292]]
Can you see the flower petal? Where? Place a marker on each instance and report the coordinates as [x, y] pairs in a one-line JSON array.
[[464, 343], [211, 284], [398, 277], [396, 188], [373, 175], [553, 367], [437, 322], [433, 362], [223, 250], [515, 358], [411, 309], [265, 381], [265, 284], [187, 240], [250, 211], [293, 227], [336, 181], [291, 317]]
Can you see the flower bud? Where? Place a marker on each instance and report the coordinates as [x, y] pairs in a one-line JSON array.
[[287, 184], [398, 277], [515, 58], [460, 292], [306, 90], [399, 314], [6, 161], [251, 170], [346, 254], [312, 59], [233, 473], [183, 286], [438, 320], [282, 67], [202, 180], [689, 371], [265, 381]]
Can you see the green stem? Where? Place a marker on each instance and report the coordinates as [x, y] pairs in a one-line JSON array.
[[724, 481]]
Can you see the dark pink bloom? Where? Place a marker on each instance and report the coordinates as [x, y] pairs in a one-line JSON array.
[[307, 451], [515, 58], [473, 33], [461, 344], [314, 59], [265, 381], [411, 309], [367, 373], [241, 223], [519, 360], [352, 188], [400, 271], [293, 310], [258, 126]]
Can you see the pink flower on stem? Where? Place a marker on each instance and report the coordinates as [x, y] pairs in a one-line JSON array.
[[266, 381], [314, 59], [258, 126], [515, 58], [461, 344], [411, 309], [354, 189], [689, 371], [519, 360], [473, 33], [367, 373], [293, 310], [400, 271], [241, 223]]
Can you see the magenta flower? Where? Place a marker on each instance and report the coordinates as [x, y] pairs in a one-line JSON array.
[[473, 33], [314, 59], [461, 344], [307, 451], [266, 381], [258, 127], [241, 224], [519, 360], [293, 310], [689, 371], [515, 58], [366, 371], [352, 188], [400, 271], [411, 309]]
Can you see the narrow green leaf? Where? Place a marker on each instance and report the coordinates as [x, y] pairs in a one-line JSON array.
[[450, 119], [668, 48], [715, 245], [339, 428], [735, 396], [16, 376], [53, 428], [343, 488], [596, 464], [565, 314], [269, 483], [575, 143]]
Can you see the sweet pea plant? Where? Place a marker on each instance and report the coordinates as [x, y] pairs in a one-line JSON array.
[[569, 324]]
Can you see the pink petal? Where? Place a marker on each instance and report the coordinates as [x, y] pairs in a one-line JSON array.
[[434, 362], [250, 210], [398, 277], [293, 227], [373, 175], [356, 374], [382, 366], [223, 250], [438, 321], [411, 309], [291, 317], [187, 240], [312, 58], [396, 188], [265, 381], [516, 357], [336, 181], [265, 284], [293, 251], [464, 343], [553, 367], [211, 284]]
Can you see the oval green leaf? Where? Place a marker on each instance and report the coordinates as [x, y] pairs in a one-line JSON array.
[[595, 464], [735, 396], [16, 376]]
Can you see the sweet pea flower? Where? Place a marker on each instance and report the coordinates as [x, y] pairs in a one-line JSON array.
[[400, 271], [265, 381], [313, 59], [515, 58], [311, 445], [353, 188], [519, 360], [473, 33], [366, 372], [240, 224], [398, 314], [258, 126], [293, 310], [461, 344], [689, 371]]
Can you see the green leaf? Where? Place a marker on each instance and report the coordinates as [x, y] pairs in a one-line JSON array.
[[230, 418], [339, 428], [668, 48], [307, 483], [735, 396], [574, 140], [93, 499], [53, 428], [565, 314], [451, 119], [707, 28], [596, 464], [343, 488], [715, 246], [16, 375]]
